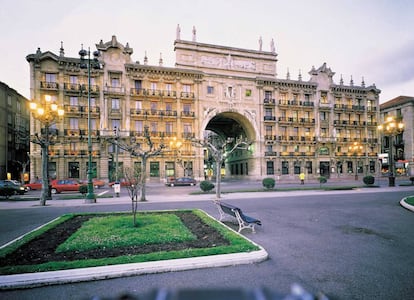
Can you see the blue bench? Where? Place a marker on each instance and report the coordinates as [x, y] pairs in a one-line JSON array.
[[231, 210]]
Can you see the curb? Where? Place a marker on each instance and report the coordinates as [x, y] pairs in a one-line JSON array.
[[30, 280], [406, 205]]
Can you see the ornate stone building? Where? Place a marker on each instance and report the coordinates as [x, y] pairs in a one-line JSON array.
[[401, 109], [295, 125]]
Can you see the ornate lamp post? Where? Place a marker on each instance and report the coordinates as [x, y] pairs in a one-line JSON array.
[[88, 63], [356, 149], [47, 113], [391, 128]]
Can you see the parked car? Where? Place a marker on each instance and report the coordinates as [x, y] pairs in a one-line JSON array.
[[122, 181], [35, 184], [11, 187], [97, 183], [181, 181], [65, 185]]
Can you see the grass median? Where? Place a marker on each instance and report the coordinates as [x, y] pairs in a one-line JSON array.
[[88, 240]]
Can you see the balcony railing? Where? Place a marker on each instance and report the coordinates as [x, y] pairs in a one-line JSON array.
[[269, 101], [270, 153], [49, 85], [187, 95], [114, 90], [269, 118], [189, 114], [75, 87]]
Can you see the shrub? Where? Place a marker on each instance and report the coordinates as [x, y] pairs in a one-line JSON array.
[[369, 179], [83, 189], [206, 186], [322, 179], [268, 183]]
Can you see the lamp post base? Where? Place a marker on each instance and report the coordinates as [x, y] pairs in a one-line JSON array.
[[391, 181]]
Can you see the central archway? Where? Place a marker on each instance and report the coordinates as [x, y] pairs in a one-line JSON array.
[[230, 125]]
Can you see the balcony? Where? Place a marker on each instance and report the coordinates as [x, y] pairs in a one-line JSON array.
[[269, 118], [137, 92], [94, 89], [307, 120], [187, 95], [188, 135], [114, 90], [169, 94], [268, 101], [72, 109], [47, 85], [137, 112], [94, 109], [359, 108], [169, 113], [72, 87], [270, 153], [270, 137], [153, 93], [72, 132], [188, 114]]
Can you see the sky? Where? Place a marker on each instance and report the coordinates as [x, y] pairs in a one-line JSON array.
[[359, 39]]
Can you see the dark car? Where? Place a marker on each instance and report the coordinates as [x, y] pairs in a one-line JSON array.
[[65, 185], [11, 187], [181, 181]]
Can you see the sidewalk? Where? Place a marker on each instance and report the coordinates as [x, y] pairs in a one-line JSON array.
[[111, 200]]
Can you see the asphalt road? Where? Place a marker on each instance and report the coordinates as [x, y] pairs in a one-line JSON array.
[[347, 245]]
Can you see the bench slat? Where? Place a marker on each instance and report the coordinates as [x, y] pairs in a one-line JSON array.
[[243, 220]]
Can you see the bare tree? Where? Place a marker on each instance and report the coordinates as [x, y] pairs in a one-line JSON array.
[[136, 150], [133, 175], [219, 149]]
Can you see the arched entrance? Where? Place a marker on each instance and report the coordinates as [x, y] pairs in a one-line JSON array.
[[238, 163]]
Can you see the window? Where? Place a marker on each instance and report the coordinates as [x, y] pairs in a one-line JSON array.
[[93, 102], [268, 112], [168, 127], [168, 87], [186, 108], [73, 101], [187, 128], [73, 123], [309, 166], [138, 84], [153, 86], [115, 104], [324, 98], [350, 168], [153, 106], [115, 123], [323, 116], [9, 100], [73, 79], [268, 94], [285, 167], [296, 167], [138, 104], [186, 88], [270, 168], [154, 127], [154, 169], [50, 77], [168, 106], [210, 90], [138, 126], [115, 81], [268, 130]]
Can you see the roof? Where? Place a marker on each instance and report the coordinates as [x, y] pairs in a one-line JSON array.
[[400, 100]]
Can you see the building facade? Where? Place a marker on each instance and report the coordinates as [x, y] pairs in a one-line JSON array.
[[295, 126], [14, 134], [401, 109]]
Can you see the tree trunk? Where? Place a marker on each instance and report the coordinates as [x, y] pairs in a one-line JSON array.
[[218, 179], [143, 178]]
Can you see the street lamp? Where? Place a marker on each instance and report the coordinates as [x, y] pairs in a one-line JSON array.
[[391, 128], [88, 63], [46, 112], [356, 149]]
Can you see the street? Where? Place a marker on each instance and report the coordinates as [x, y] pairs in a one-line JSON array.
[[348, 245]]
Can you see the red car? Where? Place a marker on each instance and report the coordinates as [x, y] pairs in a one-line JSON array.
[[65, 185], [97, 183], [122, 181], [35, 184]]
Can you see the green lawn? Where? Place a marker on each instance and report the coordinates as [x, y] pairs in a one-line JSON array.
[[117, 230], [410, 200]]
